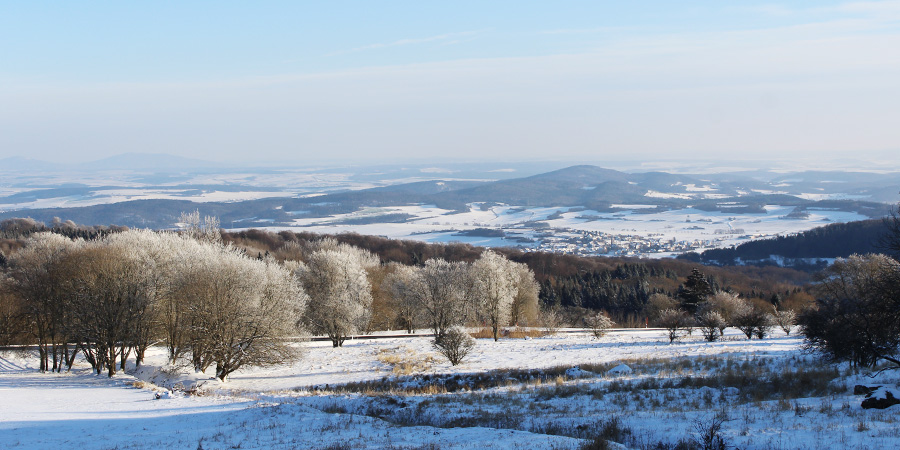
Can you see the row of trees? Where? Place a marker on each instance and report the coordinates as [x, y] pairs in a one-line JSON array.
[[211, 304], [491, 290], [115, 296], [716, 312]]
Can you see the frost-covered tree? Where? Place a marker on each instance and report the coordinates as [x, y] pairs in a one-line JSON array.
[[340, 294], [710, 323], [406, 286], [753, 321], [37, 281], [495, 288], [204, 230], [673, 321], [524, 309], [550, 319], [599, 324], [260, 323], [238, 311], [442, 294], [727, 304], [785, 319]]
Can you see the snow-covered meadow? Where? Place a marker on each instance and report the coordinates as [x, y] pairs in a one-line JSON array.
[[708, 229], [545, 392]]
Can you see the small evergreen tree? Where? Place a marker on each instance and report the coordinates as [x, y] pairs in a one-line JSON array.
[[694, 290]]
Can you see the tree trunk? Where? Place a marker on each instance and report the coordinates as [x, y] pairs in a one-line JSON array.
[[111, 364]]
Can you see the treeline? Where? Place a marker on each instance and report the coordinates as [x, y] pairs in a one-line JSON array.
[[214, 304], [619, 286], [838, 240]]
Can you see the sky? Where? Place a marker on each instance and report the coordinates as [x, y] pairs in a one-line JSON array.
[[362, 81]]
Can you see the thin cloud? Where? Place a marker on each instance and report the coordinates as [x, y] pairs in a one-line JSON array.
[[402, 42], [595, 30]]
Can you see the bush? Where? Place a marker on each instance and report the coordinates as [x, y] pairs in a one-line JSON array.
[[785, 319], [599, 324], [454, 344], [857, 314], [708, 434], [672, 320], [753, 321], [710, 323]]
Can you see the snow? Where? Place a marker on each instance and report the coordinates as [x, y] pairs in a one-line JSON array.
[[621, 369], [429, 223], [85, 411], [280, 407]]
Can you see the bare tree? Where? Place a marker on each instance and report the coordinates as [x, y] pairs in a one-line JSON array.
[[857, 313], [11, 314], [110, 299], [890, 241], [753, 321], [656, 304], [710, 323], [455, 344], [672, 320]]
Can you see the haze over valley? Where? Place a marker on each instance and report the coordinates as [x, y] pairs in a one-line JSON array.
[[581, 209]]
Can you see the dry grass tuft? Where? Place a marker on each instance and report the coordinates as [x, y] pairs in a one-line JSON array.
[[405, 361], [506, 333]]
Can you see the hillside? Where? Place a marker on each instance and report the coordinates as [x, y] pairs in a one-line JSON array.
[[837, 240]]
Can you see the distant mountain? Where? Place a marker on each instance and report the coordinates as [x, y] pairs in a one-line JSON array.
[[19, 164], [588, 186], [160, 162], [582, 186], [140, 162]]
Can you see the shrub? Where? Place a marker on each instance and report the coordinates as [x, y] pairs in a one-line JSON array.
[[710, 323], [599, 324], [708, 434], [857, 315], [784, 320], [753, 321], [672, 320], [454, 344]]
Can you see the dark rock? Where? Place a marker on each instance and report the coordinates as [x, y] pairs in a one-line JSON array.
[[880, 398], [860, 389]]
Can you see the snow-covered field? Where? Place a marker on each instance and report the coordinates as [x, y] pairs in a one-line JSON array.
[[515, 393], [706, 229]]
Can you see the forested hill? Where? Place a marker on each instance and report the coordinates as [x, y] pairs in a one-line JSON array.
[[836, 240]]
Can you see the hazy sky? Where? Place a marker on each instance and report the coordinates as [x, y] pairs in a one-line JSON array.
[[360, 81]]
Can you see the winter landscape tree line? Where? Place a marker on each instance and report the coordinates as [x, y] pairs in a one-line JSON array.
[[210, 303], [109, 294]]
